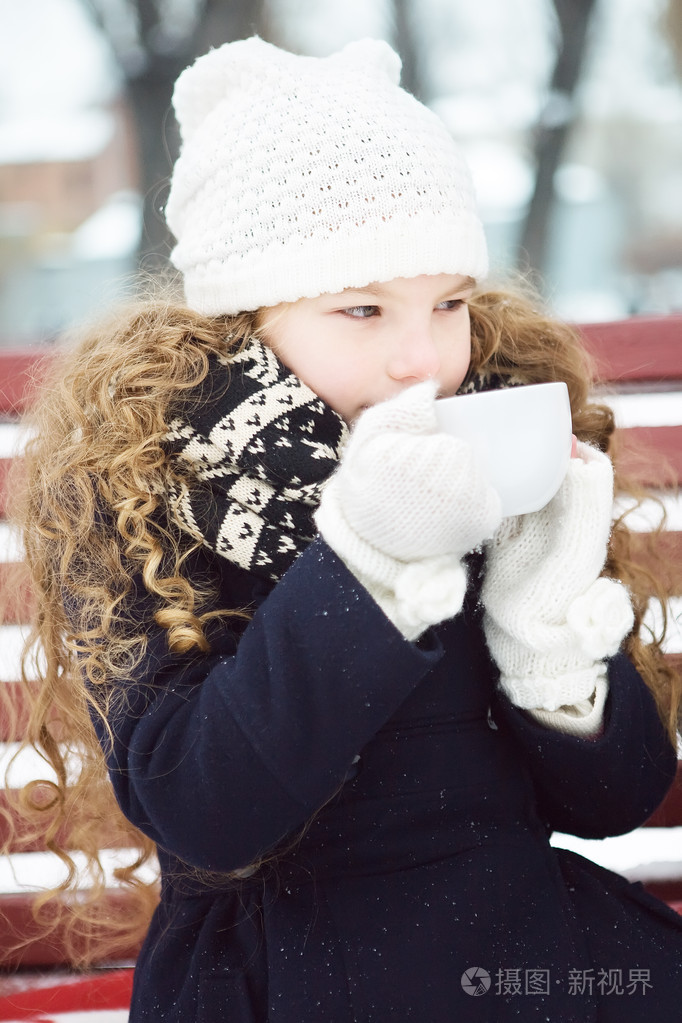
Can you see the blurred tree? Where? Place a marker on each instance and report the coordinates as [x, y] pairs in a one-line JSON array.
[[153, 40], [673, 29], [555, 123], [404, 42]]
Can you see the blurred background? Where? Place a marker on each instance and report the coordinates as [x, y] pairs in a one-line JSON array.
[[570, 113]]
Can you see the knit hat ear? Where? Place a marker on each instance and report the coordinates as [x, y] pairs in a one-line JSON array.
[[305, 175], [220, 72], [367, 53], [213, 77]]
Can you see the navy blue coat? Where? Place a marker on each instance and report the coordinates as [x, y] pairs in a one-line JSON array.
[[428, 855]]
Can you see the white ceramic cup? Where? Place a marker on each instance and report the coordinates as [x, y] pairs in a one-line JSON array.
[[522, 436]]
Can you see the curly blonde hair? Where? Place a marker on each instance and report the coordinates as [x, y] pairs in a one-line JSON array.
[[87, 497]]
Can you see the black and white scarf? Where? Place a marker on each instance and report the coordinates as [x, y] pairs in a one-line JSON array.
[[259, 446]]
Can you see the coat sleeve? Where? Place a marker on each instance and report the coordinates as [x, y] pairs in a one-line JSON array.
[[608, 785], [219, 757]]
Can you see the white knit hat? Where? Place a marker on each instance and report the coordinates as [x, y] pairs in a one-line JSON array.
[[305, 175]]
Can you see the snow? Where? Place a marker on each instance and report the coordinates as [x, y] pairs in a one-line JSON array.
[[660, 408], [70, 136], [590, 305], [653, 619], [28, 766], [503, 178], [12, 439], [578, 183], [307, 26], [629, 69], [646, 854], [38, 871], [112, 232], [52, 60], [647, 516], [12, 639], [10, 546]]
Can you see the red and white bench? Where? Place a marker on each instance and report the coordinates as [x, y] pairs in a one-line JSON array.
[[640, 370], [640, 364], [29, 867]]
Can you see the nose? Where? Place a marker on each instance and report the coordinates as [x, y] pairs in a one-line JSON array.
[[414, 355]]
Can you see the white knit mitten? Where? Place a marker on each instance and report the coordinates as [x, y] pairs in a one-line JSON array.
[[404, 506], [550, 617]]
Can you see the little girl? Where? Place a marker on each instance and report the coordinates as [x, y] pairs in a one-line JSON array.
[[342, 701]]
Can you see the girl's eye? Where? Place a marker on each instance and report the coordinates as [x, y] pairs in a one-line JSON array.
[[361, 312], [451, 303]]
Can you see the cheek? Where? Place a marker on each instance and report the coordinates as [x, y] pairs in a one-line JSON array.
[[464, 340], [346, 384], [329, 375], [455, 360], [295, 348], [459, 355]]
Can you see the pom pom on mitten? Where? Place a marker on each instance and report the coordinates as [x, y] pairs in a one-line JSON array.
[[404, 506], [550, 619]]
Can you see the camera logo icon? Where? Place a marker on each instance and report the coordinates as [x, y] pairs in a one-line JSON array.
[[475, 981]]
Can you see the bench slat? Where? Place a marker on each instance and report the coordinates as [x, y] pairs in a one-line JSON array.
[[16, 602], [668, 546], [102, 995], [643, 354], [17, 370], [19, 925], [652, 454], [644, 348], [669, 813], [109, 836]]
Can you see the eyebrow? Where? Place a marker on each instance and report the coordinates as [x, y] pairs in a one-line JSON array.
[[379, 289]]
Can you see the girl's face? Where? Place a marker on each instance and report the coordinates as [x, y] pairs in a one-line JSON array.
[[365, 345]]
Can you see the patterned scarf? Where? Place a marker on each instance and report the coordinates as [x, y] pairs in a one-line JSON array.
[[259, 446]]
